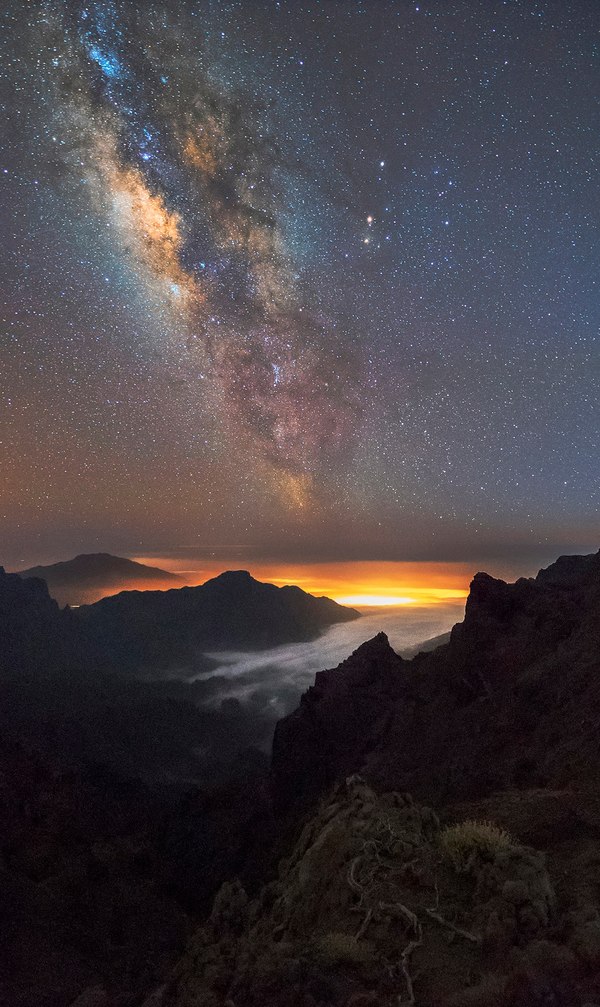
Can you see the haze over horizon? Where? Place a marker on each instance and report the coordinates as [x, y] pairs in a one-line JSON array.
[[291, 284], [366, 585]]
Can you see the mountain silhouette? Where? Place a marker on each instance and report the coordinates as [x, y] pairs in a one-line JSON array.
[[149, 631], [90, 576]]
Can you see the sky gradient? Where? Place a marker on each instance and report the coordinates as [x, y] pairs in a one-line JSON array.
[[301, 282]]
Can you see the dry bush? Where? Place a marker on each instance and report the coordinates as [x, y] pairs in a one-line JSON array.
[[337, 948], [469, 841]]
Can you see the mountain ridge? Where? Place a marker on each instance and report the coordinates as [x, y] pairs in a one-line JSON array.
[[87, 576], [153, 632], [233, 611]]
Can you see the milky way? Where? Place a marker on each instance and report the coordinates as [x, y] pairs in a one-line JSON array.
[[186, 171], [314, 279]]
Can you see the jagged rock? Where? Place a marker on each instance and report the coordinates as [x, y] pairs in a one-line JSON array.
[[338, 721], [486, 710], [229, 908]]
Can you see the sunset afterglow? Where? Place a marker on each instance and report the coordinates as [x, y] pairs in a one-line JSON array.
[[362, 584], [374, 600]]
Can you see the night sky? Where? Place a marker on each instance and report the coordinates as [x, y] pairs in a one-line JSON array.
[[311, 280]]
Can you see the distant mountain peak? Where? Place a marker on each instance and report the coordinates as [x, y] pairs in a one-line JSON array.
[[234, 575], [90, 576], [159, 629], [89, 557]]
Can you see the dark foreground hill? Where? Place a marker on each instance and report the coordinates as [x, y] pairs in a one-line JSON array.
[[160, 630], [122, 806], [86, 578]]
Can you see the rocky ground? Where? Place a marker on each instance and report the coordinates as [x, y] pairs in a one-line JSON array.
[[379, 904]]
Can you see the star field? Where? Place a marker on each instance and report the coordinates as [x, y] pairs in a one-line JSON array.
[[317, 279]]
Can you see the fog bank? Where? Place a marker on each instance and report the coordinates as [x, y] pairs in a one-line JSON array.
[[271, 682]]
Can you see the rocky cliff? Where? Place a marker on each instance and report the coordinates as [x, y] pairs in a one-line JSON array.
[[513, 700]]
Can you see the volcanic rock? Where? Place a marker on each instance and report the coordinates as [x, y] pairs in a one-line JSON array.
[[513, 700]]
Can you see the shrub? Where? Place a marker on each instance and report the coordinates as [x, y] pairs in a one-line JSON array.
[[469, 841], [337, 948]]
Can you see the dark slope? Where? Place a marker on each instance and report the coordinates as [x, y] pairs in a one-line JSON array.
[[122, 808], [87, 577], [155, 630], [34, 632]]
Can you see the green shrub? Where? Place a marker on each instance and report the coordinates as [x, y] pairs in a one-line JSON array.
[[470, 840], [337, 948]]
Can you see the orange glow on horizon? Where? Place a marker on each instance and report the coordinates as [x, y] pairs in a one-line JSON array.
[[362, 584], [368, 600], [418, 596]]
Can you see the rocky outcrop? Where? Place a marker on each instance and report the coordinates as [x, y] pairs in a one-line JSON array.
[[378, 905], [340, 720], [512, 700], [34, 633]]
